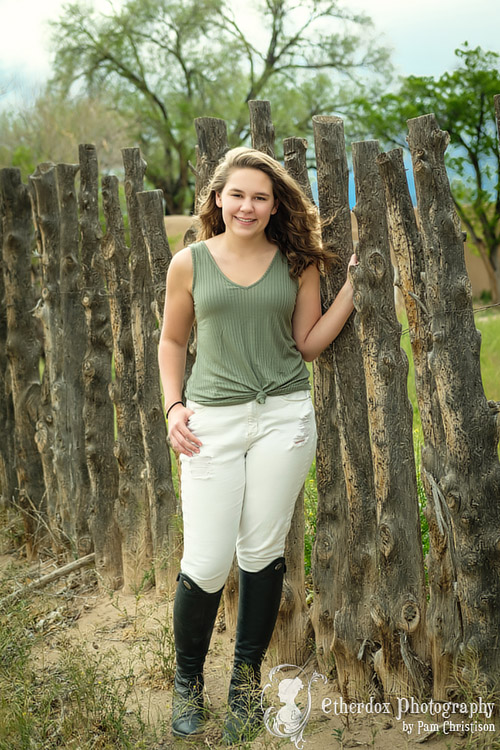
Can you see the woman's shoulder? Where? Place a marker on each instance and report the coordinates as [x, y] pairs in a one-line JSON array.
[[181, 265], [309, 276], [182, 258]]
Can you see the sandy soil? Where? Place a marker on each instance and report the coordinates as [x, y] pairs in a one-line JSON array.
[[103, 625], [131, 627]]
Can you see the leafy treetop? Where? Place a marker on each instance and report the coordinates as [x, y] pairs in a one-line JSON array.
[[165, 62], [463, 102]]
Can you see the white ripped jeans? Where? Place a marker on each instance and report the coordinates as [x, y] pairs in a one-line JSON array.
[[239, 491]]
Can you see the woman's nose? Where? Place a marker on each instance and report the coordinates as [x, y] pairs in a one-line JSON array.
[[246, 204]]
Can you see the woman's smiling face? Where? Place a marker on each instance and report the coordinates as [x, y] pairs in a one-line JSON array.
[[247, 202]]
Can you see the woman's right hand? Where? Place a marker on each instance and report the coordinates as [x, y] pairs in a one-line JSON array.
[[181, 438]]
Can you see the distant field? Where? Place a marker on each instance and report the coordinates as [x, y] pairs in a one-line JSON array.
[[488, 322]]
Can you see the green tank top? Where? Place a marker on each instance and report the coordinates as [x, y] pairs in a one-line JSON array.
[[245, 350]]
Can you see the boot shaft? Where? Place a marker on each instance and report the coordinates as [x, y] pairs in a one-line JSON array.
[[195, 611], [258, 606]]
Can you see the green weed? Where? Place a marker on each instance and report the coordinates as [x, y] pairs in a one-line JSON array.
[[159, 649], [488, 323], [74, 698], [310, 506], [339, 736]]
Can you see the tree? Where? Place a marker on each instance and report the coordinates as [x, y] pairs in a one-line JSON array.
[[52, 127], [166, 62], [462, 101]]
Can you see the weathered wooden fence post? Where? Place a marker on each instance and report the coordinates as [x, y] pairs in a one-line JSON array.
[[23, 350], [60, 432], [329, 552], [496, 100], [98, 413], [165, 513], [67, 394], [398, 601], [343, 563], [132, 506], [211, 136], [261, 126], [156, 241], [497, 114], [293, 634], [46, 220], [8, 482], [465, 477], [295, 161], [407, 245], [162, 505]]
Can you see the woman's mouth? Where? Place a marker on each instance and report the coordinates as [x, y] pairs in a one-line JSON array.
[[244, 221]]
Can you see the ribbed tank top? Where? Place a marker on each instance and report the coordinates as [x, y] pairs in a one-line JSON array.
[[245, 350]]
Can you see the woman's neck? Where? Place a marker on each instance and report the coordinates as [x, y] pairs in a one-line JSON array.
[[227, 242]]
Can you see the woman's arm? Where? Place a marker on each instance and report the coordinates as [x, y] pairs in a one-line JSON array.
[[312, 331], [178, 320]]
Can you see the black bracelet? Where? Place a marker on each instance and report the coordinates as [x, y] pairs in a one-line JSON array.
[[172, 406]]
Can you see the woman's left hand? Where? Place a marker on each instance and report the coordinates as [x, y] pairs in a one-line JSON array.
[[312, 331], [353, 261]]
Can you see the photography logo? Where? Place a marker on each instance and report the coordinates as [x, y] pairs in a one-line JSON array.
[[291, 719]]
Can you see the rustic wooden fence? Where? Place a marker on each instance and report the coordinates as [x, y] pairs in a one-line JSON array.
[[84, 455]]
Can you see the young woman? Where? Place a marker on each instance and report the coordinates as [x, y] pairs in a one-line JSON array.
[[246, 434]]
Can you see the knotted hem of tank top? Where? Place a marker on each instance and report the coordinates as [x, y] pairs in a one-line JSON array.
[[261, 397]]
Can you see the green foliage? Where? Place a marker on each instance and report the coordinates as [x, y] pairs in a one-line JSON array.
[[164, 63], [50, 129], [310, 506], [22, 157], [462, 101], [422, 498], [339, 735], [488, 323], [82, 700], [161, 647]]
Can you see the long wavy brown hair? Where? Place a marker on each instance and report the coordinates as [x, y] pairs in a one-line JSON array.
[[295, 228]]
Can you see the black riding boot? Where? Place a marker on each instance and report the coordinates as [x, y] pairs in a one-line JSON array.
[[195, 611], [259, 601]]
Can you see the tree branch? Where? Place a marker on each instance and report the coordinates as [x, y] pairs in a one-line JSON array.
[[71, 567]]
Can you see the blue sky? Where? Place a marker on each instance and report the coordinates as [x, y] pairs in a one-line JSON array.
[[422, 33]]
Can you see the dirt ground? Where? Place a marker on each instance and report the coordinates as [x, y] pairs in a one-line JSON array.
[[129, 626], [102, 624]]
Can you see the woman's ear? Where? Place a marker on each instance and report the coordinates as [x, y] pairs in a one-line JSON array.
[[275, 207], [218, 201]]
